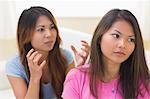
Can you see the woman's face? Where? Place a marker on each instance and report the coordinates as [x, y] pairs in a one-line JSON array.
[[118, 43], [44, 35]]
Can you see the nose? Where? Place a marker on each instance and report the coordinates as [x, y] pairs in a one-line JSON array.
[[121, 43], [47, 33]]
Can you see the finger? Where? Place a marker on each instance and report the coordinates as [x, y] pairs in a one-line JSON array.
[[86, 50], [83, 41], [82, 59], [33, 61], [30, 52], [37, 58], [83, 54], [33, 55], [73, 49], [42, 64], [86, 45]]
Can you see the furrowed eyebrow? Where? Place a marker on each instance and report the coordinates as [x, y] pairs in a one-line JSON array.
[[121, 33], [132, 36], [118, 31]]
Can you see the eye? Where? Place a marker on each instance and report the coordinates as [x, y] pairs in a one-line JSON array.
[[41, 30], [131, 40], [115, 35], [52, 27]]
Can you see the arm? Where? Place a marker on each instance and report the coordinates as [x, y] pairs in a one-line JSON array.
[[18, 83], [33, 58], [20, 88]]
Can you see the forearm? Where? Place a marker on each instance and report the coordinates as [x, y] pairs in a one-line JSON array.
[[33, 89]]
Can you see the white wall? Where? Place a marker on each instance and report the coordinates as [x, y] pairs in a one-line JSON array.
[[11, 9], [84, 8]]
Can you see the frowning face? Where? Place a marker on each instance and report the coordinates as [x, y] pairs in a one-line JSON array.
[[118, 43]]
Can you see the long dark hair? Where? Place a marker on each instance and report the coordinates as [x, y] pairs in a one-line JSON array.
[[134, 71], [56, 61]]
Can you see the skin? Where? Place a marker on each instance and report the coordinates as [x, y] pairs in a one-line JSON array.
[[81, 56], [43, 41], [117, 44]]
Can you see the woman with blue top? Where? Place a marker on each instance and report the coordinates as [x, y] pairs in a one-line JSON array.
[[39, 70]]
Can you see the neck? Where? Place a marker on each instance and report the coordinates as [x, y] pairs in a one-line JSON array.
[[111, 72]]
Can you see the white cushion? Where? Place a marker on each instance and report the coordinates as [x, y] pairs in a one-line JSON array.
[[5, 89], [7, 94], [4, 84]]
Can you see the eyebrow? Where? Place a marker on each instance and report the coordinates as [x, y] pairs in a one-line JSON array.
[[121, 33], [44, 25]]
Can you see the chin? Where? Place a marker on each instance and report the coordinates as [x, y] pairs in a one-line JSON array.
[[119, 61], [47, 49], [50, 49]]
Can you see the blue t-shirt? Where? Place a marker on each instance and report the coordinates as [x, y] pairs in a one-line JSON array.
[[16, 69]]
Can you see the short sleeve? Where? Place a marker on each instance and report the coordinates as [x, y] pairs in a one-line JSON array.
[[14, 68], [71, 87], [68, 56]]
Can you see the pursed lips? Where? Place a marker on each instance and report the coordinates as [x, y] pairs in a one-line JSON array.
[[48, 42], [120, 53]]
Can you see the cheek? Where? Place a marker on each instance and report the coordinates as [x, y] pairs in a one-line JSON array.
[[55, 36], [36, 41], [131, 49], [106, 42], [106, 45]]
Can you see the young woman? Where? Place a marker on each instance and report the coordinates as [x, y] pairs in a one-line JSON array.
[[39, 70], [117, 68]]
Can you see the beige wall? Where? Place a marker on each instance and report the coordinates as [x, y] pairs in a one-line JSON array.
[[83, 24], [8, 47]]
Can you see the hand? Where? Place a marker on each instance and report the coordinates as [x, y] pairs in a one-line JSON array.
[[34, 66], [81, 56]]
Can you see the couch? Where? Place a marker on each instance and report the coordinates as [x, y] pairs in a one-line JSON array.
[[69, 37]]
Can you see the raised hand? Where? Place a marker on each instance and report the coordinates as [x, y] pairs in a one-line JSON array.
[[82, 55], [34, 66]]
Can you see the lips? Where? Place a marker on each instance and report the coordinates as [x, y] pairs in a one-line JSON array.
[[48, 42], [120, 53]]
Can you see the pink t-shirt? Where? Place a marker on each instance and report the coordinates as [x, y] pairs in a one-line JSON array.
[[76, 86]]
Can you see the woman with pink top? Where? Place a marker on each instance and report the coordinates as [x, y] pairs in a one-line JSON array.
[[117, 68]]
